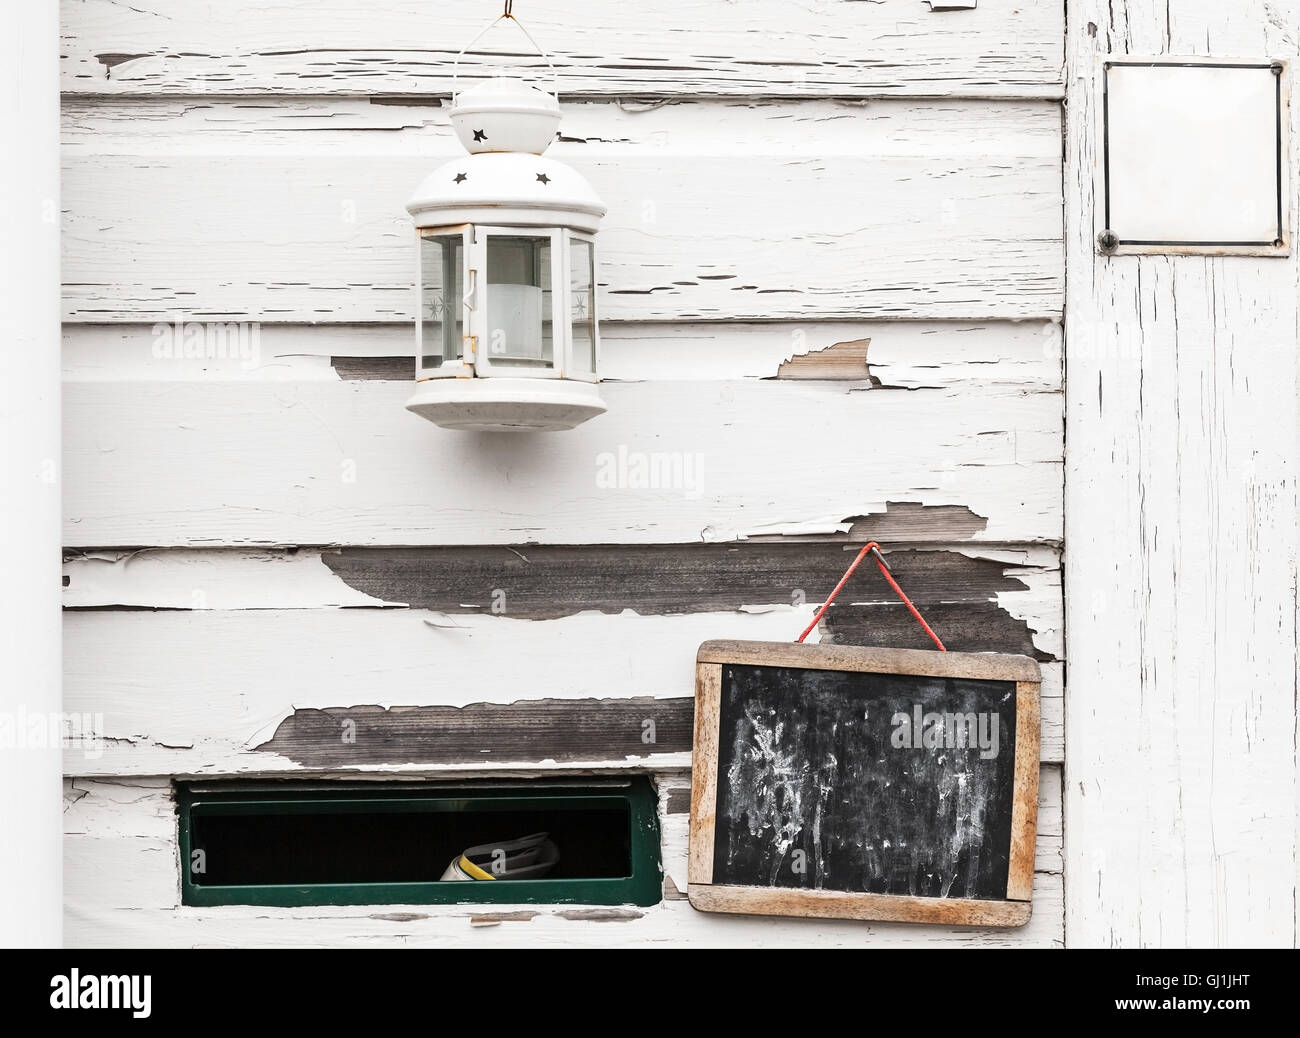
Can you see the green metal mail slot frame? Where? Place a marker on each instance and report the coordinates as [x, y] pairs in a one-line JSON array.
[[276, 806]]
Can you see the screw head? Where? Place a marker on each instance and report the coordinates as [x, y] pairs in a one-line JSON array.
[[1108, 241]]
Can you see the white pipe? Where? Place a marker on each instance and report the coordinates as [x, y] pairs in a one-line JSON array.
[[31, 818]]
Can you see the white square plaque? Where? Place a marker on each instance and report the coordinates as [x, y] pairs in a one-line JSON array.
[[1195, 157]]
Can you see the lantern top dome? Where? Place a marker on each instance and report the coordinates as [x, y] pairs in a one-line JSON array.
[[505, 114]]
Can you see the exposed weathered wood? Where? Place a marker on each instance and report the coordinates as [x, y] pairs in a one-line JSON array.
[[599, 915], [833, 904], [661, 47], [479, 733], [385, 369], [972, 227], [1181, 498], [904, 354], [963, 627], [323, 463], [497, 918], [704, 773], [841, 360], [1024, 807], [907, 522], [543, 581]]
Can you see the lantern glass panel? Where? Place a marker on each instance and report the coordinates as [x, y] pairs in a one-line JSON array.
[[582, 303], [520, 323], [441, 292]]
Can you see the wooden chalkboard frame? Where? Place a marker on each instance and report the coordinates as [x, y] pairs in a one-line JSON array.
[[707, 896]]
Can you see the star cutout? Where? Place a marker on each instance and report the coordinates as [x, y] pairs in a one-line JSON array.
[[543, 178], [479, 135], [461, 177]]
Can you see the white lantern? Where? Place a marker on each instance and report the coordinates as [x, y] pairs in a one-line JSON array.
[[507, 337]]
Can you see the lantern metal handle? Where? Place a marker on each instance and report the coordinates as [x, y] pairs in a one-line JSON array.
[[507, 16]]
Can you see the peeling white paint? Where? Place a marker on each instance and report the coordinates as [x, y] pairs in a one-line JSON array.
[[345, 463], [231, 579], [670, 48], [808, 527]]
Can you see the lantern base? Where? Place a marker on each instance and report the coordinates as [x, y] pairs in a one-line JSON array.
[[506, 404]]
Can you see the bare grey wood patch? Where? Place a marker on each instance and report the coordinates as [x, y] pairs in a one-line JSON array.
[[536, 730]]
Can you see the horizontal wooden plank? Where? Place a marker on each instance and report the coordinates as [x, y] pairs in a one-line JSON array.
[[538, 582], [122, 888], [194, 692], [284, 126], [173, 464], [920, 210], [901, 354], [979, 600], [661, 47], [92, 921]]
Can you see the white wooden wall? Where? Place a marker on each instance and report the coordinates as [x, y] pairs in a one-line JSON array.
[[781, 177], [1181, 508]]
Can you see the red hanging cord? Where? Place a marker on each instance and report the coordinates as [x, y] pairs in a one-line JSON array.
[[872, 546]]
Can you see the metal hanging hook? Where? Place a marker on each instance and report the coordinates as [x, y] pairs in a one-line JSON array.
[[873, 549], [507, 15]]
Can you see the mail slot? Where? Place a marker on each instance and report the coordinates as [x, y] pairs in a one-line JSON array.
[[380, 843]]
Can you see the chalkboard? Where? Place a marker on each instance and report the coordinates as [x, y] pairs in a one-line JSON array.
[[864, 783]]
